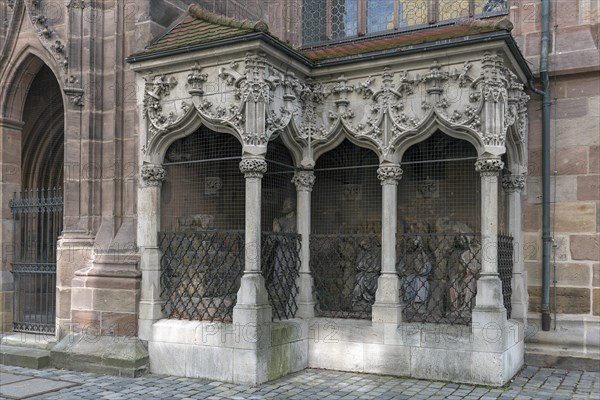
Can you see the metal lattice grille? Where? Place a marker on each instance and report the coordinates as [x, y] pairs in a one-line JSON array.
[[439, 275], [203, 217], [201, 274], [345, 270], [204, 188], [438, 224], [345, 246], [505, 269], [280, 260], [37, 223]]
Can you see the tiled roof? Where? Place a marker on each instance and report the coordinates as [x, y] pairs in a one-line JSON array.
[[402, 40], [200, 27]]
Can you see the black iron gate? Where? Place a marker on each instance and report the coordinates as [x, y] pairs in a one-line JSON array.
[[37, 223]]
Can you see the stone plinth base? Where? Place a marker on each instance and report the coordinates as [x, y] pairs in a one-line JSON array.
[[116, 355], [489, 355], [228, 352]]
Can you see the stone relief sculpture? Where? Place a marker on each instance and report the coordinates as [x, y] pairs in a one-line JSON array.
[[415, 268], [287, 222], [368, 265], [463, 267]]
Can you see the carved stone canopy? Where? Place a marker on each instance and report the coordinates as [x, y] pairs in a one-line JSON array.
[[478, 98]]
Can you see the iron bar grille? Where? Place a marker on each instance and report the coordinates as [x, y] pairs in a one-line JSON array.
[[203, 218], [335, 20], [280, 259], [438, 274], [438, 246], [345, 270], [37, 223], [201, 274], [505, 269], [345, 242]]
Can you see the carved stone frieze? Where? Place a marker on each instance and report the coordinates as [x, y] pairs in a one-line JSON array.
[[253, 167], [389, 175], [480, 98], [152, 175], [304, 180]]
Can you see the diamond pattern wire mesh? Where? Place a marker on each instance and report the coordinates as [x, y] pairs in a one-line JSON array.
[[439, 275], [203, 209], [37, 223], [505, 269], [201, 274], [280, 259], [345, 269]]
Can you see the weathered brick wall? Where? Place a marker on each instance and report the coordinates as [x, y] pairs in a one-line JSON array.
[[575, 127]]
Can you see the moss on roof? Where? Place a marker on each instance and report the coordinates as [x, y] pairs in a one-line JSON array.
[[200, 27], [400, 40]]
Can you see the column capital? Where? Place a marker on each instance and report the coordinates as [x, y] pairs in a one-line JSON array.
[[489, 166], [512, 183], [389, 174], [153, 175], [304, 180], [253, 167]]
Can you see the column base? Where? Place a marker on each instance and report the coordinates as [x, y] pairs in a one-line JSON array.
[[111, 355], [387, 307], [305, 300]]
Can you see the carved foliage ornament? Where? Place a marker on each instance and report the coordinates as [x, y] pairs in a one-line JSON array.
[[37, 11], [304, 180], [253, 167], [389, 175], [513, 183], [153, 175], [489, 166]]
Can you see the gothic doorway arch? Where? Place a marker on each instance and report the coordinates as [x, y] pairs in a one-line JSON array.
[[37, 206]]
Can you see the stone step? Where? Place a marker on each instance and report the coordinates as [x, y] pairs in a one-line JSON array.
[[24, 357]]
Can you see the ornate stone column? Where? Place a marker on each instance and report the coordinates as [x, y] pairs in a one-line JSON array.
[[304, 181], [387, 307], [489, 302], [513, 184], [252, 300], [152, 177]]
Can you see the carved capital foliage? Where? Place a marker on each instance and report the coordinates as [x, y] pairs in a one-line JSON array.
[[489, 166], [153, 175], [304, 180], [513, 183], [253, 167], [389, 175]]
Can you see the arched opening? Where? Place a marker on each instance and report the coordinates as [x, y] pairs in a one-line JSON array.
[[345, 243], [37, 210], [202, 222], [439, 219], [202, 214]]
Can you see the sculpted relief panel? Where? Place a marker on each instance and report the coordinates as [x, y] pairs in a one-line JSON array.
[[254, 100]]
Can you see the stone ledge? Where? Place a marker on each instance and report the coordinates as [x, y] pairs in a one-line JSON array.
[[121, 356], [24, 357]]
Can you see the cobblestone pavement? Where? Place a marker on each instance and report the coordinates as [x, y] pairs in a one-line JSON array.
[[530, 383]]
